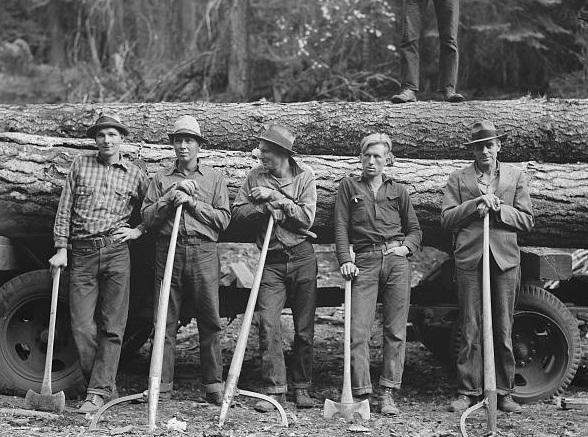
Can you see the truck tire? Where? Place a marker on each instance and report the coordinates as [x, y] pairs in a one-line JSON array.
[[24, 320], [546, 343]]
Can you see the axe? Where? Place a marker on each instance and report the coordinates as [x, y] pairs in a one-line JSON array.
[[347, 408]]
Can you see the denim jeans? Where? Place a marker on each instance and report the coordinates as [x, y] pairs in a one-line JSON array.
[[470, 364], [447, 12], [195, 283], [391, 274], [288, 275], [99, 304]]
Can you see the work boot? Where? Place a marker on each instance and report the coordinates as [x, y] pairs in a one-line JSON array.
[[165, 396], [405, 96], [92, 403], [451, 96], [387, 404], [507, 404], [265, 406], [462, 403], [215, 398], [302, 398]]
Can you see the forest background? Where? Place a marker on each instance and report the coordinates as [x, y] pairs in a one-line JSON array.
[[54, 51]]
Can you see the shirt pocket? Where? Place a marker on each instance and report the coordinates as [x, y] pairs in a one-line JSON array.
[[83, 198], [121, 200], [358, 209], [389, 210]]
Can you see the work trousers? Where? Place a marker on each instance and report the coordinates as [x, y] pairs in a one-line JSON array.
[[194, 280], [99, 305], [447, 12], [470, 364], [288, 275], [391, 274]]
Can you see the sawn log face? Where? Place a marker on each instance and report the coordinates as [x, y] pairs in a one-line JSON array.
[[32, 171], [538, 129]]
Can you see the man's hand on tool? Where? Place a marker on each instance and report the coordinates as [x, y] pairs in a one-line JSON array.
[[276, 213], [188, 186], [259, 194], [349, 270], [180, 197], [125, 234], [487, 202], [59, 260]]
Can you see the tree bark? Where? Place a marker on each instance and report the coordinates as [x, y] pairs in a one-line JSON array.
[[539, 130], [32, 170], [239, 57]]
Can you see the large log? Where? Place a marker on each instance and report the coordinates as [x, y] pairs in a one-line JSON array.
[[539, 129], [32, 170]]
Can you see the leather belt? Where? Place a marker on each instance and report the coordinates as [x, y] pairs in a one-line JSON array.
[[378, 247], [94, 243]]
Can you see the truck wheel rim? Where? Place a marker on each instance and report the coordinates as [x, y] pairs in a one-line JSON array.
[[25, 339], [540, 350]]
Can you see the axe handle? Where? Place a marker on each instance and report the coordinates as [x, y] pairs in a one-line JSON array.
[[488, 337], [346, 396], [239, 354], [159, 336], [46, 387]]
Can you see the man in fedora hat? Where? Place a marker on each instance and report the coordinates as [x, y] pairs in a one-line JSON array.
[[286, 189], [100, 193], [375, 214], [194, 288], [486, 186]]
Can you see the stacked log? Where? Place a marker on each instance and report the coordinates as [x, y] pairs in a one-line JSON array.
[[33, 168]]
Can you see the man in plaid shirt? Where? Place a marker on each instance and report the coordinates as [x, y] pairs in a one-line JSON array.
[[100, 193]]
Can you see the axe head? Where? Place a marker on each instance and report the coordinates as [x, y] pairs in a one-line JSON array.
[[347, 410], [45, 402]]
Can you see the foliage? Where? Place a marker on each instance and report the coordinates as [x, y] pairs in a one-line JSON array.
[[153, 50]]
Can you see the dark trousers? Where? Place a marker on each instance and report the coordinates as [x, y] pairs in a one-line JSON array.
[[470, 364], [289, 274], [391, 274], [447, 12], [99, 305], [195, 280]]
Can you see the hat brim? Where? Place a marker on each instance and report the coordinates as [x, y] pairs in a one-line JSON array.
[[92, 130], [190, 134], [290, 151], [500, 137]]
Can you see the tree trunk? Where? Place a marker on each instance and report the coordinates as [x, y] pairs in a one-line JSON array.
[[56, 34], [540, 130], [32, 170], [239, 56]]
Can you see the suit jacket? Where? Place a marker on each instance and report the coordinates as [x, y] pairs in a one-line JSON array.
[[460, 216]]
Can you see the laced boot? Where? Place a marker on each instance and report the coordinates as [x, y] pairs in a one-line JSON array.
[[265, 407], [302, 398], [387, 404], [405, 96]]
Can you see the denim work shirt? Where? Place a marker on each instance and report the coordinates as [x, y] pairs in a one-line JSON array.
[[298, 204], [209, 216], [97, 198], [363, 219]]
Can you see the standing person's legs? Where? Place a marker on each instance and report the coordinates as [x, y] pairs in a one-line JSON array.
[[301, 281], [173, 309], [396, 300], [469, 355], [83, 295], [363, 309], [412, 13], [202, 282], [270, 303], [114, 308], [504, 288], [448, 22]]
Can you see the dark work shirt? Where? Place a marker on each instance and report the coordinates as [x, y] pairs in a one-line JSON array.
[[362, 218]]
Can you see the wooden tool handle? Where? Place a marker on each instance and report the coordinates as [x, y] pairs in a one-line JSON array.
[[159, 336], [46, 387], [239, 354]]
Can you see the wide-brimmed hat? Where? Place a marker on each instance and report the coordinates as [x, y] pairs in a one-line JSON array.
[[105, 121], [187, 125], [280, 136], [483, 131]]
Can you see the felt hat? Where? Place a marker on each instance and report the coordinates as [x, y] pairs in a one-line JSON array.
[[105, 121], [483, 131], [280, 136], [187, 125]]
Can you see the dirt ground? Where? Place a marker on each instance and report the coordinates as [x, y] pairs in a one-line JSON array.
[[427, 389]]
